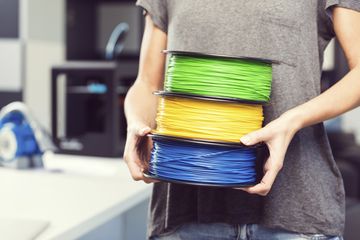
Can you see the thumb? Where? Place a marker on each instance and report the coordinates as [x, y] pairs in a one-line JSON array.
[[253, 138]]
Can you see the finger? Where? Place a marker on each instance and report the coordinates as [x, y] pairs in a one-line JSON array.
[[150, 180], [135, 166], [264, 187], [138, 174], [143, 150], [254, 137], [135, 170]]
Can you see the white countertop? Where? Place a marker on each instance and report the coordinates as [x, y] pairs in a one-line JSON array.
[[75, 194]]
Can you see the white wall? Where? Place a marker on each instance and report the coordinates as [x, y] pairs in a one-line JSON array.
[[10, 65], [43, 31], [40, 57]]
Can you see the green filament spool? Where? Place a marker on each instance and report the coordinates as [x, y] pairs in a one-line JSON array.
[[222, 77]]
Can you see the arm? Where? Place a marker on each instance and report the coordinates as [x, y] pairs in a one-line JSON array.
[[340, 98], [140, 103]]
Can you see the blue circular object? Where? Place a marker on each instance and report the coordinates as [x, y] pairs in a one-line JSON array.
[[202, 164]]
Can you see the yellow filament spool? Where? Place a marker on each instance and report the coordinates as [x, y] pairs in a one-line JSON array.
[[207, 120]]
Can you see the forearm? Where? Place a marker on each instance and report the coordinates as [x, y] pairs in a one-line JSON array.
[[340, 98], [141, 104]]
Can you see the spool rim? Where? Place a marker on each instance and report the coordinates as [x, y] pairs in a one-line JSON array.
[[213, 55], [157, 136], [150, 176], [209, 98]]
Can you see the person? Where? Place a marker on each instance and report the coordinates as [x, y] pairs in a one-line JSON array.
[[301, 195]]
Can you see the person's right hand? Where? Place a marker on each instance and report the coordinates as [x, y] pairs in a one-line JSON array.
[[136, 139]]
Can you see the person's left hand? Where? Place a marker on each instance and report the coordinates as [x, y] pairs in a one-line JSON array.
[[277, 135]]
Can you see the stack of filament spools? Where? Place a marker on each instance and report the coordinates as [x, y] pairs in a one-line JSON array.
[[208, 103]]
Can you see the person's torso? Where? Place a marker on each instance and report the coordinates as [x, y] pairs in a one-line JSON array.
[[308, 193]]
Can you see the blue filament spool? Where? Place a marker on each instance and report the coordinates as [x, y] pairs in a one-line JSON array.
[[199, 163]]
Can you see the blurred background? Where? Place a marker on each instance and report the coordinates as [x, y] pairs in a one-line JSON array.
[[71, 62]]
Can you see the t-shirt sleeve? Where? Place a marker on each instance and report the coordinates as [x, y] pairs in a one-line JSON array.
[[157, 10], [350, 4]]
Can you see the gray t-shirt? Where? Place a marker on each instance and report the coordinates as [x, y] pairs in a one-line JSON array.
[[308, 194]]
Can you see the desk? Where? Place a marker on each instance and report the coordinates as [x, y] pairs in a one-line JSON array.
[[75, 194]]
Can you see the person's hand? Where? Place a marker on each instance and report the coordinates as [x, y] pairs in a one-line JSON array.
[[137, 149], [277, 135]]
